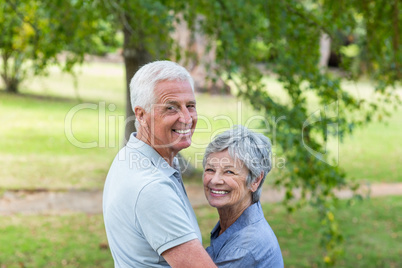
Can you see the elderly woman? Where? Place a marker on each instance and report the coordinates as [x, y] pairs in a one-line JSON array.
[[235, 165]]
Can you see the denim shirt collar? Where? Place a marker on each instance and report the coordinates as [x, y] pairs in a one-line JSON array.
[[251, 215]]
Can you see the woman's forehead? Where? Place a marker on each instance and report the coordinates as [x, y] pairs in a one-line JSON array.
[[224, 159]]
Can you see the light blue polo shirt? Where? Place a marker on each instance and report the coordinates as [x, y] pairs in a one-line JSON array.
[[145, 207], [248, 242]]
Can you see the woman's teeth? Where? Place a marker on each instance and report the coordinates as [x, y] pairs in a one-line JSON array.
[[219, 192]]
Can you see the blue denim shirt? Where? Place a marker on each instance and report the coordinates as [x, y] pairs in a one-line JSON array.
[[249, 242]]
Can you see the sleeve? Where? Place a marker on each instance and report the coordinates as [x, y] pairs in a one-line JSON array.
[[162, 216], [235, 257]]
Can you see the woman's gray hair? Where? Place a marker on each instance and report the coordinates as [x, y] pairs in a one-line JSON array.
[[144, 81], [253, 149]]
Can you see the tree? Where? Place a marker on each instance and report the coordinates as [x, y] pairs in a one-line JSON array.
[[36, 32]]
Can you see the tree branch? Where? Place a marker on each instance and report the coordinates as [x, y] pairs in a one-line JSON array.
[[395, 39], [309, 19], [21, 16], [120, 14]]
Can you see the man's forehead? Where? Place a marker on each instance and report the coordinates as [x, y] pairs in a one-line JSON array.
[[175, 94], [172, 84]]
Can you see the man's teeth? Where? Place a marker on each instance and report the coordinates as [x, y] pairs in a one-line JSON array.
[[219, 192], [182, 131]]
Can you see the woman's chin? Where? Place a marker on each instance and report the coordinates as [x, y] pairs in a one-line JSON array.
[[215, 204]]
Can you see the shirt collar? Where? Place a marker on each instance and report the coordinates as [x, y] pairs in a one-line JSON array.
[[251, 215], [149, 152]]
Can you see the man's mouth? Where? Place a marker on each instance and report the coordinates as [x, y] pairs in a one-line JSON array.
[[182, 131]]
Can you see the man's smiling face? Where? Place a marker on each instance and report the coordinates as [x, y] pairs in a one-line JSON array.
[[172, 120]]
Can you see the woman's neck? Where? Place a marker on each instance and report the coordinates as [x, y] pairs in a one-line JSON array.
[[228, 216]]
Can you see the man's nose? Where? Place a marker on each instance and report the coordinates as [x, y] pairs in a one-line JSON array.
[[185, 116]]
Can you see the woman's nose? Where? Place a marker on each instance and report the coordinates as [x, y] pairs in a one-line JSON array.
[[216, 178]]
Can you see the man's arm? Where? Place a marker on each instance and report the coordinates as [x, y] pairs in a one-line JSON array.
[[189, 254]]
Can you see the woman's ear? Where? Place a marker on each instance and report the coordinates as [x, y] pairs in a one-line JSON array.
[[256, 183]]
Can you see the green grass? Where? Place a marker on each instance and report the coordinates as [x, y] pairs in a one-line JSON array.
[[75, 240], [372, 229], [38, 154], [95, 82], [374, 153]]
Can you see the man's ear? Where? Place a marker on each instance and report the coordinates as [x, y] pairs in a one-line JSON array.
[[139, 114], [256, 183]]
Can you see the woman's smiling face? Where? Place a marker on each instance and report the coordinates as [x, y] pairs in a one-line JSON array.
[[225, 182]]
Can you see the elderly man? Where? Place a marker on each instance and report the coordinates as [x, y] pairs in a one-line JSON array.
[[148, 218]]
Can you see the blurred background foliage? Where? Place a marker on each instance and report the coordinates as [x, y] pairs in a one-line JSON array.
[[250, 40]]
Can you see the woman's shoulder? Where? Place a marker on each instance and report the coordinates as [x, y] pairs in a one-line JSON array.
[[254, 227], [256, 233], [255, 244]]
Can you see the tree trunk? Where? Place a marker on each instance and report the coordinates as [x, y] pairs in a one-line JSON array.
[[10, 80], [134, 58], [197, 59], [325, 50], [11, 86]]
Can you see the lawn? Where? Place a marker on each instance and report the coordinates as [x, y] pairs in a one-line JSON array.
[[36, 152], [74, 240], [372, 229]]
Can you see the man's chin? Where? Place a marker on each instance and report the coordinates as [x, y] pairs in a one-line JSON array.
[[182, 145]]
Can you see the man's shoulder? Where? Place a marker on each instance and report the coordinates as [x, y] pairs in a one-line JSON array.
[[139, 178], [132, 161], [129, 176]]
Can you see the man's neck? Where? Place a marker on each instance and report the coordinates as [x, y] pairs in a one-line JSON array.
[[164, 152]]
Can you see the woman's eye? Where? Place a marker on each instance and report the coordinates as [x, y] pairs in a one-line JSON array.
[[229, 172], [208, 169]]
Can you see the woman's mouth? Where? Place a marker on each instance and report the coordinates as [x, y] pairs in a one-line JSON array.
[[221, 192]]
